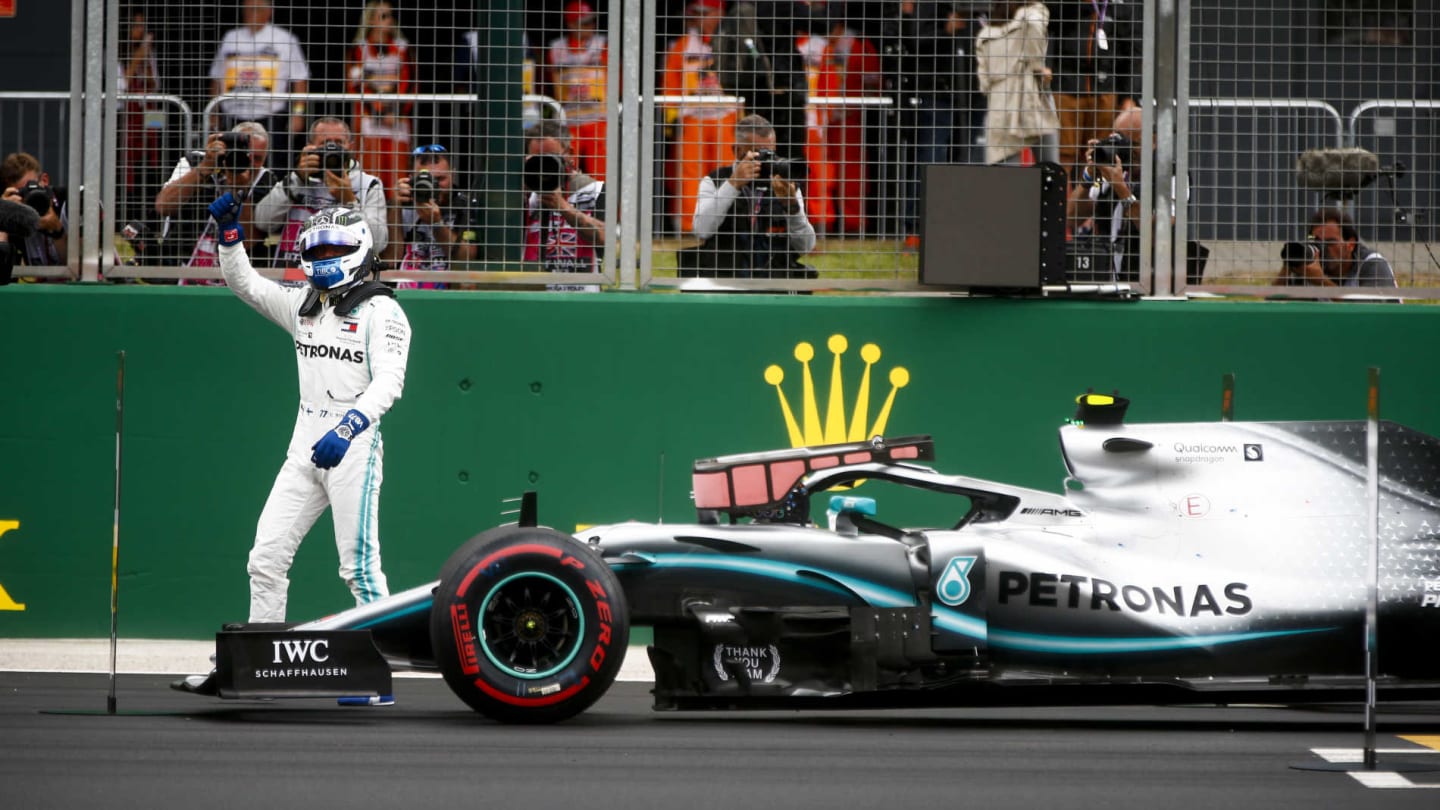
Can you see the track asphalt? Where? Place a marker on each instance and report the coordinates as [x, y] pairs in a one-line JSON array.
[[165, 750]]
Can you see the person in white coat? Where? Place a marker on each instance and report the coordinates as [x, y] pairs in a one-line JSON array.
[[1010, 65]]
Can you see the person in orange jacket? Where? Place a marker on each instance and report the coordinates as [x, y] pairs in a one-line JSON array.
[[704, 132], [575, 74], [380, 61], [819, 175], [856, 66]]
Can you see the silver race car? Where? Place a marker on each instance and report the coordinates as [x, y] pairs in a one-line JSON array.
[[1183, 563]]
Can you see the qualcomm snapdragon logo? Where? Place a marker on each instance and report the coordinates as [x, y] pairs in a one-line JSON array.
[[837, 427]]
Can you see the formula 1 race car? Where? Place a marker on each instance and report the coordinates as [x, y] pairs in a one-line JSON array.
[[1184, 563]]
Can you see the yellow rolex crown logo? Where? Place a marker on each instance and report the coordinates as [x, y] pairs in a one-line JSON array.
[[6, 603], [837, 429]]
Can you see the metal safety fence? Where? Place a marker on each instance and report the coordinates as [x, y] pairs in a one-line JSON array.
[[581, 144], [1300, 182]]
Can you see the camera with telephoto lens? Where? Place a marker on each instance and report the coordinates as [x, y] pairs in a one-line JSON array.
[[1112, 147], [237, 150], [36, 196], [334, 158], [1299, 254], [422, 187], [543, 174]]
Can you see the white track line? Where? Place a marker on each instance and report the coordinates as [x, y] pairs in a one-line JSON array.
[[1380, 779]]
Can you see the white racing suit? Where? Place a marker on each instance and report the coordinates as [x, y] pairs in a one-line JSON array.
[[356, 362]]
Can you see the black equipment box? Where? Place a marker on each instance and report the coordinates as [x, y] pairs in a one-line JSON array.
[[996, 227]]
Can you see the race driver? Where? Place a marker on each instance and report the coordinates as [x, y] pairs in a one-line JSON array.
[[352, 341]]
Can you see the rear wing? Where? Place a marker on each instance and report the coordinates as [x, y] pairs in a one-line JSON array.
[[767, 484]]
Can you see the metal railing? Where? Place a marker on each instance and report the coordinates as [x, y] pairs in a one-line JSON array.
[[1261, 147], [1385, 104], [13, 132], [464, 272], [52, 153], [504, 274], [1278, 104], [1400, 205], [557, 111], [1255, 242]]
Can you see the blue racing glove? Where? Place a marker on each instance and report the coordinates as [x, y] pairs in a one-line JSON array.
[[332, 446], [226, 211]]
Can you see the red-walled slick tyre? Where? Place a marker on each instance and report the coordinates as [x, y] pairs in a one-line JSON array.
[[529, 625]]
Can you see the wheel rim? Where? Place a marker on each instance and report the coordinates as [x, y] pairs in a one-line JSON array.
[[531, 625]]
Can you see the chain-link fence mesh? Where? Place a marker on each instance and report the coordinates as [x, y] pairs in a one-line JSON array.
[[1312, 141], [488, 140]]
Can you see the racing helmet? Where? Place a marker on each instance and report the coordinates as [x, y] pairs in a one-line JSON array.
[[336, 248]]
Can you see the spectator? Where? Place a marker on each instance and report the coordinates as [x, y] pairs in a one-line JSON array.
[[782, 25], [1106, 203], [1338, 258], [459, 126], [23, 181], [218, 170], [17, 222], [756, 59], [922, 49], [430, 221], [1095, 60], [702, 130], [380, 62], [819, 174], [565, 218], [577, 77], [855, 65], [7, 253], [140, 122], [751, 218], [326, 175], [1010, 67], [263, 61]]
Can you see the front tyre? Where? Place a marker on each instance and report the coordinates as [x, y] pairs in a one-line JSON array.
[[528, 625]]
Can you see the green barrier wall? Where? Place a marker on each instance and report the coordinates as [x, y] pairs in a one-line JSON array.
[[599, 402]]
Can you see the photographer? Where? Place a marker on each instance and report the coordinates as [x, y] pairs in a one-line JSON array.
[[23, 181], [430, 224], [565, 208], [751, 216], [1333, 256], [1105, 201], [233, 161], [325, 176], [1095, 60]]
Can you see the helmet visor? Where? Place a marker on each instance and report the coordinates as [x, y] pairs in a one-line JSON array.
[[325, 253], [318, 244]]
